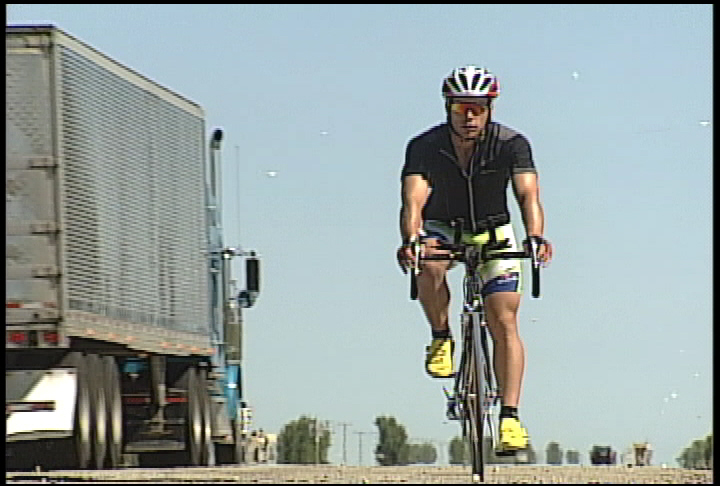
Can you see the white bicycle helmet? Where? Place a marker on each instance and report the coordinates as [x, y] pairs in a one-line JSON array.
[[470, 81]]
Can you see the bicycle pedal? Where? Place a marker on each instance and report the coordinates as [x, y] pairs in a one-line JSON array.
[[453, 415]]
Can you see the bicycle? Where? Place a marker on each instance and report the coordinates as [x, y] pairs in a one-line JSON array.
[[475, 377]]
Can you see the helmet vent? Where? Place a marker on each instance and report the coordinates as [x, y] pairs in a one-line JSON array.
[[456, 87], [476, 79]]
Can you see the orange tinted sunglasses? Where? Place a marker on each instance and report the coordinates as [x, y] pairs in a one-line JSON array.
[[461, 107]]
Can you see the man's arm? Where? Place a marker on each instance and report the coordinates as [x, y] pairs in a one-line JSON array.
[[527, 194], [415, 192]]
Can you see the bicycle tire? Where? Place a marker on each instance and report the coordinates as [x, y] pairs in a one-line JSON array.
[[474, 417], [463, 386]]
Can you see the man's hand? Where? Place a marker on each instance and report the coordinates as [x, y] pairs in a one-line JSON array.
[[406, 256], [545, 251]]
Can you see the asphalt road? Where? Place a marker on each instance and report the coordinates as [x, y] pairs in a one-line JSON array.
[[278, 474]]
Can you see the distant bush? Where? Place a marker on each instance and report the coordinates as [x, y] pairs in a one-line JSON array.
[[553, 454], [303, 441], [698, 455], [392, 448]]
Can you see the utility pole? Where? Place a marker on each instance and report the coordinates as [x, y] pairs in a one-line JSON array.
[[360, 434], [344, 425]]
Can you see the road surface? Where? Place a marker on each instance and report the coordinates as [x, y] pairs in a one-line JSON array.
[[279, 474]]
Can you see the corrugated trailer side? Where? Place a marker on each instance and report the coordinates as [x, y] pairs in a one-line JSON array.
[[106, 231]]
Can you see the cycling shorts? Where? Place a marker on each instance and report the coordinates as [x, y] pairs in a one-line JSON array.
[[495, 275]]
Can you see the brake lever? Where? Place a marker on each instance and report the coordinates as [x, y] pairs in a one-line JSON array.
[[534, 242], [416, 255]]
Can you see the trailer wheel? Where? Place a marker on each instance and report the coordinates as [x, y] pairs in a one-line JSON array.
[[207, 446], [113, 402], [81, 446], [194, 420], [98, 409]]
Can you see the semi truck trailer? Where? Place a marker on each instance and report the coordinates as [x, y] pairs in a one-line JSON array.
[[123, 336]]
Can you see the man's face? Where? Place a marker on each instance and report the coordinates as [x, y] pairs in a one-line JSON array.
[[469, 115]]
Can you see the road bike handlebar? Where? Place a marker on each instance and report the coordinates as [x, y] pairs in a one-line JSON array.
[[469, 254]]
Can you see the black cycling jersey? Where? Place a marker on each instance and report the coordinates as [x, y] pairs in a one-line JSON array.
[[479, 193]]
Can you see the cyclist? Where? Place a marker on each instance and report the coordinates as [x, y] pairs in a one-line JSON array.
[[460, 169]]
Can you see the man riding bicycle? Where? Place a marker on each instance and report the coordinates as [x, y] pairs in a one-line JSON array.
[[461, 169]]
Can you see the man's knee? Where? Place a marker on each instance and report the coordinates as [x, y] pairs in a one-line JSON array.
[[505, 322], [501, 311], [432, 273]]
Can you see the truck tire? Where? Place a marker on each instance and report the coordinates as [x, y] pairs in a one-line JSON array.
[[98, 409], [80, 450], [207, 446], [194, 421], [113, 402]]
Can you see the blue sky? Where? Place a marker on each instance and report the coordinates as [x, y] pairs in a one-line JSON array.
[[618, 347]]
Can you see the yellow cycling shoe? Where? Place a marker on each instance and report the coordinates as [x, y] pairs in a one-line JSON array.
[[513, 436], [439, 358]]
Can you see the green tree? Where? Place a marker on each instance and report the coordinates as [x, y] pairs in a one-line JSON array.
[[697, 450], [303, 441], [709, 451], [683, 459], [572, 456], [698, 455], [458, 451], [424, 453], [392, 448], [553, 453]]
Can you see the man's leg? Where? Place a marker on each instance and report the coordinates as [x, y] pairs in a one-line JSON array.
[[434, 295], [433, 290], [509, 364], [508, 350]]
